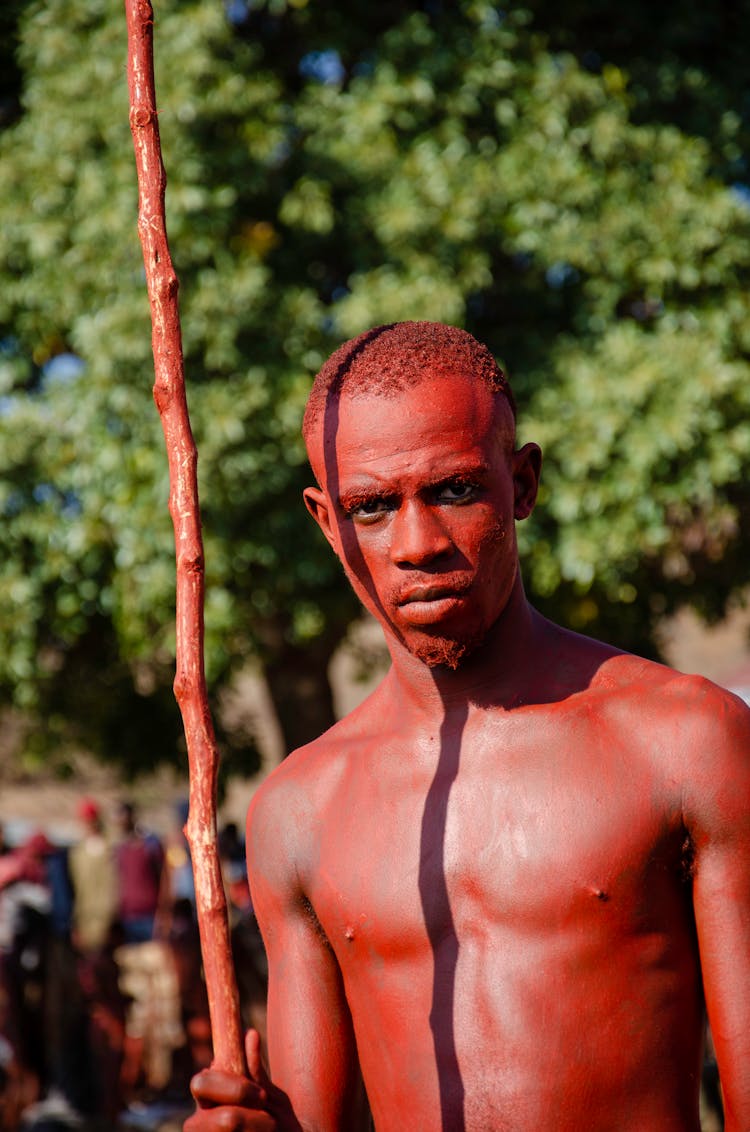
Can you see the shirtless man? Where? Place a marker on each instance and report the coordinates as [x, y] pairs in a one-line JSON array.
[[503, 892]]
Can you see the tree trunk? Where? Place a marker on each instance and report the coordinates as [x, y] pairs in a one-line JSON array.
[[301, 692]]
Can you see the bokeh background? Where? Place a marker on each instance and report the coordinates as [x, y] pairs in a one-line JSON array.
[[569, 181]]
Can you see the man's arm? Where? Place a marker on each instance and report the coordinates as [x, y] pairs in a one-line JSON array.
[[312, 1050], [317, 1085], [717, 817]]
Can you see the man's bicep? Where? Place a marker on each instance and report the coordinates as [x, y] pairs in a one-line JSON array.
[[312, 1050], [721, 893]]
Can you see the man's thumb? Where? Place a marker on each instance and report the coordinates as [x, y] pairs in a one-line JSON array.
[[255, 1068]]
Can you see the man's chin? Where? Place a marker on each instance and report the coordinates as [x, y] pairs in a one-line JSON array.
[[443, 652]]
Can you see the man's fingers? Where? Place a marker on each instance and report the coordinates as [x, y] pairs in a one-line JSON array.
[[212, 1088], [230, 1120], [255, 1066]]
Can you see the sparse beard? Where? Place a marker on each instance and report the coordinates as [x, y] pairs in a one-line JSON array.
[[445, 651]]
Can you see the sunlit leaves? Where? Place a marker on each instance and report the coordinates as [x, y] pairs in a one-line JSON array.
[[330, 168]]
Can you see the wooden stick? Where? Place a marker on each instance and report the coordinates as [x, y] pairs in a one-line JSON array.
[[190, 681]]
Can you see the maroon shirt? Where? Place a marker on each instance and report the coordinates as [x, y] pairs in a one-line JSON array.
[[139, 865]]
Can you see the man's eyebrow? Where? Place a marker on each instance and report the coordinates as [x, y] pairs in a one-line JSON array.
[[465, 473], [462, 472], [353, 496], [356, 494]]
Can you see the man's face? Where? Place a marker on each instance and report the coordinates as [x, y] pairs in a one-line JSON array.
[[420, 493]]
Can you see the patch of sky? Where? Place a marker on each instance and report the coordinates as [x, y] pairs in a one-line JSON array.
[[67, 502], [71, 505], [62, 369], [13, 505], [45, 493], [237, 11], [741, 193], [558, 274], [323, 67]]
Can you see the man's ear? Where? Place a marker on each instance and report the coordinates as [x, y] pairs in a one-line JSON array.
[[527, 468], [317, 504]]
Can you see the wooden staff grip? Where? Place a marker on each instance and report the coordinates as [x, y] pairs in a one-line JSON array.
[[190, 682]]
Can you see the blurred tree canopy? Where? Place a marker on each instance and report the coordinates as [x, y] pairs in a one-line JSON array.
[[569, 187]]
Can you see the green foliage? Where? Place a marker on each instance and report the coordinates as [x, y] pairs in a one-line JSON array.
[[330, 168]]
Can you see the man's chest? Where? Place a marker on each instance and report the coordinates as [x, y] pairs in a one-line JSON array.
[[483, 839]]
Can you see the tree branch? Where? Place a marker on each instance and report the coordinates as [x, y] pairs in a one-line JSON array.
[[190, 682]]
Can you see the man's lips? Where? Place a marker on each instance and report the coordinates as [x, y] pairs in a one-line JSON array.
[[424, 605], [434, 592]]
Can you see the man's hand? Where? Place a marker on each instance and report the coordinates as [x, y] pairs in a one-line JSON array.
[[227, 1103]]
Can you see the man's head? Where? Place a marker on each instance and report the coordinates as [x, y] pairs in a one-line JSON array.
[[411, 434], [125, 817], [89, 814]]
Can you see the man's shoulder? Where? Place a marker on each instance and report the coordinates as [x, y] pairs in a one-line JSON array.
[[302, 796], [630, 687], [680, 733], [651, 682], [667, 709], [309, 776]]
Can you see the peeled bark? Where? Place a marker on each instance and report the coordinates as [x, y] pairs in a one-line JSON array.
[[190, 683]]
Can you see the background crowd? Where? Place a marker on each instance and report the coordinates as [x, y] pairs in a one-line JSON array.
[[103, 1009]]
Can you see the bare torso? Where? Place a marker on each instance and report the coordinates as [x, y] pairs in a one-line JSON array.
[[501, 889], [508, 901]]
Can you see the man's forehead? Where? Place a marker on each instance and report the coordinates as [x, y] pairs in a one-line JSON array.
[[448, 412], [420, 391], [437, 402]]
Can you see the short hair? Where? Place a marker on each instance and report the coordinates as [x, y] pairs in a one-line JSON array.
[[397, 356]]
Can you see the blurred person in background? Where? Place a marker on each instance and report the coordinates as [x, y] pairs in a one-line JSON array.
[[25, 907], [147, 972], [139, 860], [95, 934], [177, 890], [94, 877]]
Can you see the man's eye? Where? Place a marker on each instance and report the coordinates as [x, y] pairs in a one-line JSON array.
[[368, 510], [457, 492]]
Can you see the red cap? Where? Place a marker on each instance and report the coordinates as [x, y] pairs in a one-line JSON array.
[[88, 810]]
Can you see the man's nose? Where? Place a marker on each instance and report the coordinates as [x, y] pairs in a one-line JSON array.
[[418, 535]]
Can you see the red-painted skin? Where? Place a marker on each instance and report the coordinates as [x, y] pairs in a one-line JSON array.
[[497, 893]]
